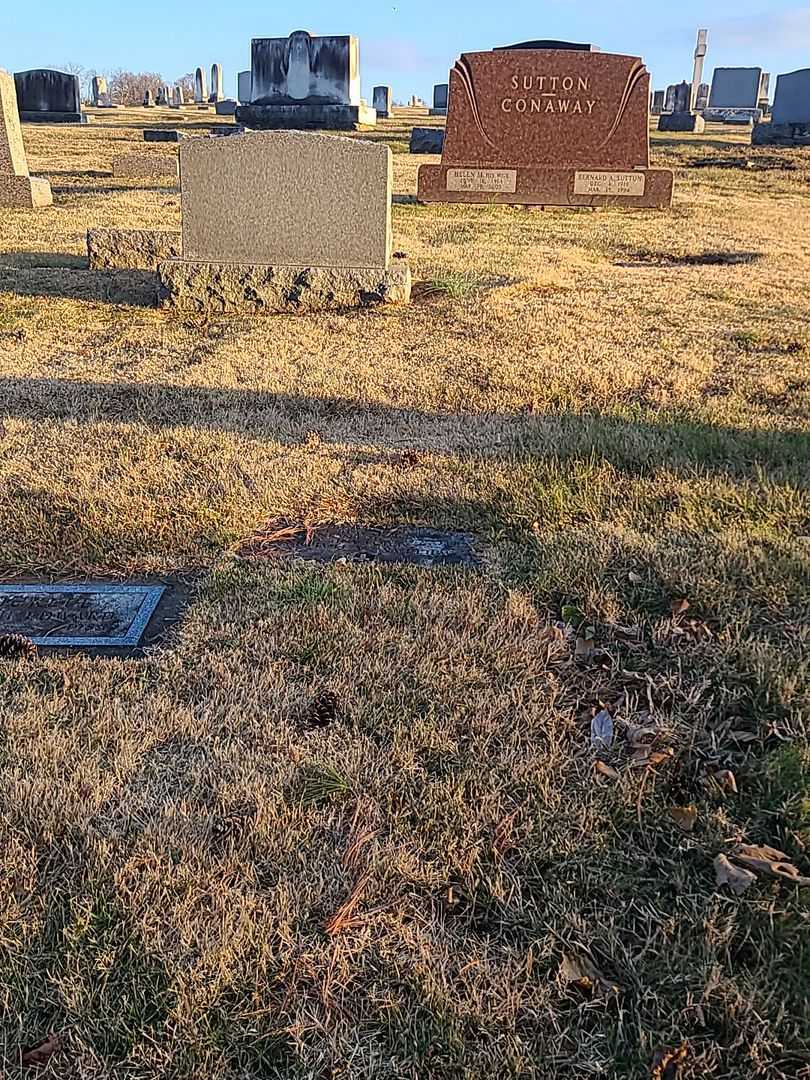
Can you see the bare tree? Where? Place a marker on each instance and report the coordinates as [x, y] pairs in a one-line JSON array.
[[187, 83], [129, 87]]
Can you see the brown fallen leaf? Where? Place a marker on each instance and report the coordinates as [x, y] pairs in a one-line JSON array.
[[685, 817], [727, 781], [645, 755], [666, 1064], [583, 973], [607, 770], [42, 1052], [767, 860], [735, 877], [678, 607]]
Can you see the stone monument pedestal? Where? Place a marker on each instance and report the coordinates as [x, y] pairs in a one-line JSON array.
[[781, 135], [307, 117], [28, 192], [192, 285], [30, 116], [542, 185], [682, 121]]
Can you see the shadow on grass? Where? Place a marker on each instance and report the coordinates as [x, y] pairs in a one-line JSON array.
[[135, 288], [636, 446]]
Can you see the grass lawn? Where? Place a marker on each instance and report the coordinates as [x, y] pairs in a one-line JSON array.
[[447, 879]]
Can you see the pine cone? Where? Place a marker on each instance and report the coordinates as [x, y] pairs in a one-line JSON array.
[[16, 647], [321, 712]]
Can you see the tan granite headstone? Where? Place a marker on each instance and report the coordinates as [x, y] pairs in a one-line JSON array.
[[288, 198], [547, 124], [17, 186]]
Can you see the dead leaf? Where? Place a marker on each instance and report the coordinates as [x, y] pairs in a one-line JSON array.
[[666, 1064], [685, 817], [582, 972], [727, 781], [735, 877], [602, 731], [42, 1052], [645, 755], [607, 770], [678, 607], [636, 579], [767, 860]]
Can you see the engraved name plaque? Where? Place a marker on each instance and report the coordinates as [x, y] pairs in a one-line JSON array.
[[493, 180], [609, 183]]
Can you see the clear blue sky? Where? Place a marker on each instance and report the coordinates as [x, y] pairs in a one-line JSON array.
[[409, 44]]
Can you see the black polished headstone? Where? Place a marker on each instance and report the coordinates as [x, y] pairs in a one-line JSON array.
[[571, 46], [48, 96]]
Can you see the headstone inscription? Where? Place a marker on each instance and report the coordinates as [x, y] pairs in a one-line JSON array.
[[790, 117], [547, 126], [17, 186], [682, 118], [284, 221], [200, 89], [440, 91], [306, 82], [48, 97], [79, 616], [381, 101], [734, 96]]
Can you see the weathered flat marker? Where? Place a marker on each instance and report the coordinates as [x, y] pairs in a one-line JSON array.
[[79, 616], [358, 544]]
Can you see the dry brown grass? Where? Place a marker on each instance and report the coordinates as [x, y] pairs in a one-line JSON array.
[[616, 404]]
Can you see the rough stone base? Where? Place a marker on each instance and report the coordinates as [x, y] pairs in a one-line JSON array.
[[145, 164], [29, 192], [781, 135], [683, 121], [427, 140], [131, 249], [732, 116], [546, 186], [307, 117], [42, 117], [270, 290]]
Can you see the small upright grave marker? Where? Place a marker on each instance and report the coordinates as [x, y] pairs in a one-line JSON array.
[[17, 186], [682, 118], [200, 89], [381, 100], [217, 93], [440, 92]]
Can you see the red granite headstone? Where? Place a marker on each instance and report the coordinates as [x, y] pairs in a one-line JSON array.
[[559, 126]]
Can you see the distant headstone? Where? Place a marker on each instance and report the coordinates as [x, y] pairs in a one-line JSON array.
[[49, 97], [17, 186], [226, 107], [702, 97], [161, 135], [217, 93], [243, 89], [701, 49], [669, 98], [305, 82], [790, 116], [547, 126], [284, 221], [164, 95], [381, 100], [149, 99], [427, 140], [440, 91], [658, 102], [200, 90], [735, 93], [682, 118], [178, 97], [100, 95]]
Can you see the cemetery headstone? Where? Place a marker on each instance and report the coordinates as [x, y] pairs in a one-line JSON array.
[[790, 116], [544, 126], [200, 89], [217, 93], [178, 97], [284, 221], [243, 89], [440, 91], [226, 107], [17, 186], [658, 102], [381, 100], [427, 140], [99, 93], [306, 82], [161, 135], [682, 118], [701, 49], [702, 97], [48, 97], [149, 99], [669, 99], [734, 96]]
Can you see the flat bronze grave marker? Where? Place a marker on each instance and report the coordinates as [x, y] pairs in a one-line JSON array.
[[79, 616]]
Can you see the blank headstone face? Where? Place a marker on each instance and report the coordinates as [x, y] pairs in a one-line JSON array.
[[735, 88], [304, 70], [381, 99], [669, 98], [440, 96], [216, 81], [683, 94], [288, 198], [178, 97], [244, 91], [791, 103], [200, 92], [44, 90], [12, 151]]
